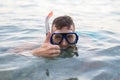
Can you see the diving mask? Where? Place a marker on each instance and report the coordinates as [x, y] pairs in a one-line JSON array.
[[57, 38]]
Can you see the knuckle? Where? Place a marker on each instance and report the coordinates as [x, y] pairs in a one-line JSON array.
[[57, 47], [58, 51]]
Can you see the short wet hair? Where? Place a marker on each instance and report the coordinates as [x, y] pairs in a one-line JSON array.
[[63, 21]]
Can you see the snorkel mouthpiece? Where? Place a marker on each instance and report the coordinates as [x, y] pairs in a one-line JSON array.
[[47, 22]]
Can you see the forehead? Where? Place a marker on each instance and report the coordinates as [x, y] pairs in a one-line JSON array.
[[65, 29]]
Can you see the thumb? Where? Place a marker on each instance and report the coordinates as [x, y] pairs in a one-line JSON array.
[[47, 40]]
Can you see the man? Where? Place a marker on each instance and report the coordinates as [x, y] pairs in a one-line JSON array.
[[61, 39]]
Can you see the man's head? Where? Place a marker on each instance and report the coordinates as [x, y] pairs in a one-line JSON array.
[[63, 24], [63, 21]]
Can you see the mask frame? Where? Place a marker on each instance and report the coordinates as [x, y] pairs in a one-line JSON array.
[[64, 36]]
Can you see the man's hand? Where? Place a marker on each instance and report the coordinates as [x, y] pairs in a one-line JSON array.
[[47, 49]]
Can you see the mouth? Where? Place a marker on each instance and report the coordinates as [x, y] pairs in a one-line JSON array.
[[64, 47]]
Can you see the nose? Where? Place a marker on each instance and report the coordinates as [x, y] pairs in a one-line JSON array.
[[64, 43]]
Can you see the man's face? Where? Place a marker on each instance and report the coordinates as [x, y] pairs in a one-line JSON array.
[[64, 44]]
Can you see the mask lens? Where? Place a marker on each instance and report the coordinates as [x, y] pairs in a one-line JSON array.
[[71, 38], [56, 38]]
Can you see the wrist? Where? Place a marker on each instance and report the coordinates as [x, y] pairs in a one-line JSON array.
[[27, 53]]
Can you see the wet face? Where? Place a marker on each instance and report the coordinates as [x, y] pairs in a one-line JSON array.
[[64, 44]]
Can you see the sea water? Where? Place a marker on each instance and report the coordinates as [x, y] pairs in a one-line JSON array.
[[22, 24]]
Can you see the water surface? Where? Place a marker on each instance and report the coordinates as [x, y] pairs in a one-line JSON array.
[[97, 23]]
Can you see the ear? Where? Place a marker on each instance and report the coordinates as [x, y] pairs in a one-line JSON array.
[[53, 28]]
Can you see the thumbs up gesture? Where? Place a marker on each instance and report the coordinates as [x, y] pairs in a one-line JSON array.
[[47, 49]]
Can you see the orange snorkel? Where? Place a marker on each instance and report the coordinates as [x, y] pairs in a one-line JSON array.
[[47, 22]]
